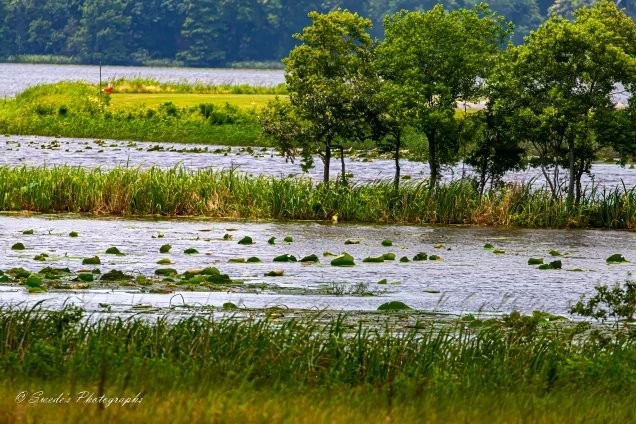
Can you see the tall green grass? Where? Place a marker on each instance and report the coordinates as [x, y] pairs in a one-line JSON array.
[[505, 370], [151, 85], [182, 192]]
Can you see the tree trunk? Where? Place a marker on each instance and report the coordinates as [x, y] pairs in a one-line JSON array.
[[342, 163], [432, 158], [396, 156], [572, 180], [327, 161]]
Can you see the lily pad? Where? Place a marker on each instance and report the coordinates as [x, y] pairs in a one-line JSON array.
[[113, 251], [554, 253], [395, 305], [246, 240], [488, 246], [73, 234], [227, 236], [191, 251], [271, 240], [421, 256], [376, 259], [36, 289], [115, 275], [165, 248], [91, 261], [166, 271], [164, 261], [551, 265], [275, 273], [352, 242], [328, 253], [616, 259], [382, 281], [41, 257], [439, 246], [387, 243], [389, 256], [310, 258], [253, 260], [236, 260], [34, 280], [229, 306], [343, 260], [285, 258], [434, 258], [86, 277], [18, 246], [498, 251], [288, 239], [28, 232], [535, 261]]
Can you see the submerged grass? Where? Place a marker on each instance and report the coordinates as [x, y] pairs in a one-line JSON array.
[[313, 369], [182, 192]]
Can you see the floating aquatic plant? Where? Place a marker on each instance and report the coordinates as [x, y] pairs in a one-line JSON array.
[[113, 251], [616, 259], [246, 240], [373, 259], [285, 258], [389, 256], [288, 239], [310, 258], [28, 232], [395, 305], [73, 234], [421, 256], [91, 261], [164, 261], [387, 243], [18, 246], [190, 251], [488, 246], [352, 242], [535, 261], [343, 260], [166, 271], [253, 260], [275, 273], [404, 259], [165, 248], [554, 253], [271, 240]]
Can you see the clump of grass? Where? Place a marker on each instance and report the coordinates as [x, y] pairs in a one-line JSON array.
[[182, 192]]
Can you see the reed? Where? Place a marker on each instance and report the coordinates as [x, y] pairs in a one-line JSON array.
[[493, 371], [229, 193]]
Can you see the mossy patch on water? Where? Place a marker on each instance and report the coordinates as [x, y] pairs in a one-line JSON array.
[[34, 280], [115, 275], [229, 306], [18, 272], [246, 240], [551, 265], [54, 273], [94, 260], [421, 256], [73, 234], [386, 243], [288, 239], [86, 277], [164, 261], [18, 246], [285, 258], [617, 259], [114, 251], [343, 260], [165, 248], [310, 258], [165, 271], [236, 260], [190, 251], [535, 261], [395, 305], [28, 232], [376, 259]]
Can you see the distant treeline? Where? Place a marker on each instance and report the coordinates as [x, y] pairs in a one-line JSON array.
[[206, 32]]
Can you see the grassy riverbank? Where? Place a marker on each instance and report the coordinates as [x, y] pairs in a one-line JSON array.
[[313, 369], [180, 192], [76, 109]]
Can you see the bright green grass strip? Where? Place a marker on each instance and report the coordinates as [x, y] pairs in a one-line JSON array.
[[126, 101]]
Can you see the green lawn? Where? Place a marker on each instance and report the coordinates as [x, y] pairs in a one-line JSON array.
[[243, 101]]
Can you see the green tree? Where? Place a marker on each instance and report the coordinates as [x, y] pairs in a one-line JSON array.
[[435, 59], [325, 75], [561, 81]]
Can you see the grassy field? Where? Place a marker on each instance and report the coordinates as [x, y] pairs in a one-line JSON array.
[[181, 192], [312, 369], [186, 100]]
